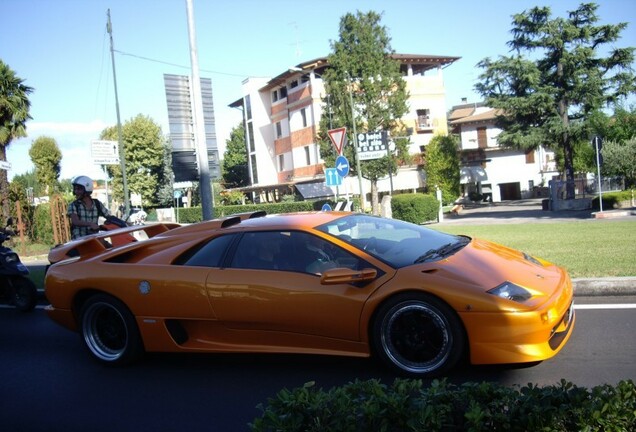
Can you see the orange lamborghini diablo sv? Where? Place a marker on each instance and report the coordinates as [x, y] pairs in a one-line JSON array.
[[316, 283]]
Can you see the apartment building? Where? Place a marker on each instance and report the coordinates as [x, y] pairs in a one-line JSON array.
[[497, 173], [282, 116]]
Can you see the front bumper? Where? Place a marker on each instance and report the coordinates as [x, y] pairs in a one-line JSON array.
[[518, 337]]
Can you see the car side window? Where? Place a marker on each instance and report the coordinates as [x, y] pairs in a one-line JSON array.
[[291, 251], [308, 253], [260, 250], [210, 254]]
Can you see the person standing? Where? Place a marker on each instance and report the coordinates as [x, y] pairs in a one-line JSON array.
[[85, 211]]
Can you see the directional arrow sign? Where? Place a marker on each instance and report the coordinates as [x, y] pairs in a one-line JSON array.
[[337, 137], [342, 166], [332, 178]]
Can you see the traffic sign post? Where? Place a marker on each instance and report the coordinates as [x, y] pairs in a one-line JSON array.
[[338, 138], [342, 166], [105, 152], [332, 178]]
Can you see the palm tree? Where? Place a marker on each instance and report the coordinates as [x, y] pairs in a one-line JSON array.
[[14, 113]]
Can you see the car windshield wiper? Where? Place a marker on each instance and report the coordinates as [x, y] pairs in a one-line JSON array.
[[442, 251]]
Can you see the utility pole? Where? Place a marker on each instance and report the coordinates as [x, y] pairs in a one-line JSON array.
[[122, 153], [355, 143], [205, 186]]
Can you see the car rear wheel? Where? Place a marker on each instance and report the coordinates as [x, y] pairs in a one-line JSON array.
[[418, 335], [109, 330]]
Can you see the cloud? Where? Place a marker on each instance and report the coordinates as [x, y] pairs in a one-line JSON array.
[[74, 140]]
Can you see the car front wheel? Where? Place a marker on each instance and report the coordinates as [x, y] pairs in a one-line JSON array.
[[109, 330], [418, 335]]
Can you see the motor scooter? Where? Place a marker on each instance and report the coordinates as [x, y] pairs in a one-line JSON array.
[[16, 288]]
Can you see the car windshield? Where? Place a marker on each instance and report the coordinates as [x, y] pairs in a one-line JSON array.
[[395, 242]]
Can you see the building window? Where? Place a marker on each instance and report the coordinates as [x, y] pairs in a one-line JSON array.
[[303, 114], [307, 156], [248, 107], [530, 157], [283, 92], [424, 119], [274, 95], [482, 137], [281, 163], [293, 84], [279, 130], [254, 169], [250, 136]]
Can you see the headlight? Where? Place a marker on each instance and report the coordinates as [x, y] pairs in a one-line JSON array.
[[510, 291]]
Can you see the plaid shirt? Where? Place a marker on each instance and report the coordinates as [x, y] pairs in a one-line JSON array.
[[77, 207]]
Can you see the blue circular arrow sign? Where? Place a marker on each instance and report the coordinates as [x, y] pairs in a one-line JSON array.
[[342, 166]]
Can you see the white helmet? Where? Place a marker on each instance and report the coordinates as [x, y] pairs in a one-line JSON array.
[[84, 181]]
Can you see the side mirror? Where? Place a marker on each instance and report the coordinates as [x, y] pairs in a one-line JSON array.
[[344, 275]]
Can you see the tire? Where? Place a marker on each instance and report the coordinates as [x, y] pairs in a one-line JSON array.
[[110, 331], [25, 293], [418, 335]]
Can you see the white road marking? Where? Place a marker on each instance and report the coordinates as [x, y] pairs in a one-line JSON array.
[[605, 306]]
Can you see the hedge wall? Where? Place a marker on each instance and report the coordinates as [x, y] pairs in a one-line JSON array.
[[407, 405], [415, 208]]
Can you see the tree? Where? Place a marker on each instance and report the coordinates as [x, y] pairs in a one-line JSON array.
[[144, 150], [361, 69], [235, 169], [14, 113], [619, 159], [549, 100], [442, 166], [165, 194], [46, 157]]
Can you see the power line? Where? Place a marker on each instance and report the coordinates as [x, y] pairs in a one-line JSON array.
[[177, 65]]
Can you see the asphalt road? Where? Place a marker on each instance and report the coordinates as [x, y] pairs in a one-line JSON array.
[[48, 382]]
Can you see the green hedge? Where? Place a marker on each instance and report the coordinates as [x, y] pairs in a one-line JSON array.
[[194, 214], [415, 208], [612, 200], [407, 405]]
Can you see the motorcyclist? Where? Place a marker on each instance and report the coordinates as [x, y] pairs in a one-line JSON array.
[[85, 211]]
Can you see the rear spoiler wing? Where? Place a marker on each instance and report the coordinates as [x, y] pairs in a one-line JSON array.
[[102, 241]]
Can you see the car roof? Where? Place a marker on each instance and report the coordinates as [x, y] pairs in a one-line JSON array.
[[258, 220]]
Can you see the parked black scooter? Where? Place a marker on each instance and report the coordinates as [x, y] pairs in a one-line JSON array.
[[15, 286]]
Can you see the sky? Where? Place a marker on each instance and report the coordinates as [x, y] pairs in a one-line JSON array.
[[61, 48]]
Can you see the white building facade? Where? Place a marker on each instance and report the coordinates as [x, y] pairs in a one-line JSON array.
[[494, 172], [282, 117]]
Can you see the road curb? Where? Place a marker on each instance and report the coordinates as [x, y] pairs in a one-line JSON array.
[[609, 286]]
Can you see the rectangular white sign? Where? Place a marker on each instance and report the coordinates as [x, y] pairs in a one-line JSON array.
[[4, 165], [105, 152]]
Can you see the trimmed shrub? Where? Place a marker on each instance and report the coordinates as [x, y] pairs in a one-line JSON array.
[[415, 208], [407, 405], [612, 200]]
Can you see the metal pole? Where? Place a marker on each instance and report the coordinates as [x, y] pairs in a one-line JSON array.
[[205, 186], [598, 167], [122, 153], [385, 141], [355, 144]]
